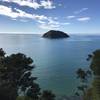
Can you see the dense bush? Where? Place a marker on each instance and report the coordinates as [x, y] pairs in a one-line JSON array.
[[16, 78]]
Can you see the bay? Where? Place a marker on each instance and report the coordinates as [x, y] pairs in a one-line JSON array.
[[56, 60]]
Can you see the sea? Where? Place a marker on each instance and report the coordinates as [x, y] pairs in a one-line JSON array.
[[56, 60]]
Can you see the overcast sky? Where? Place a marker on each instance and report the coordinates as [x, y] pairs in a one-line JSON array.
[[39, 16]]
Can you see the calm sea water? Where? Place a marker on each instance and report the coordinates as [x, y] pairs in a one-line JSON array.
[[56, 60]]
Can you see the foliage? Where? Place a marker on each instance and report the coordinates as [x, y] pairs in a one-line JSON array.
[[16, 78], [89, 94], [95, 64], [94, 92], [23, 98], [47, 95], [95, 67], [15, 74], [83, 76], [96, 89], [34, 91]]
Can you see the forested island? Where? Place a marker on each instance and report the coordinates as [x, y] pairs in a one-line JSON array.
[[53, 34]]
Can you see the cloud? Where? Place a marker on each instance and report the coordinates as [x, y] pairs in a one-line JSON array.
[[8, 11], [28, 3], [46, 4], [70, 17], [84, 19], [43, 21], [52, 24], [48, 27], [60, 4], [23, 20], [66, 23], [49, 24], [80, 11]]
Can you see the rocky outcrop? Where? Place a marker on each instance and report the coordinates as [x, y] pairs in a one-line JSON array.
[[52, 34]]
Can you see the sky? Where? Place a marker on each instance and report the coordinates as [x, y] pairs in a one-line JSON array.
[[39, 16]]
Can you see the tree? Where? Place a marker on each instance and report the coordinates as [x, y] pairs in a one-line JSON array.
[[95, 64], [2, 53], [95, 67], [92, 93], [15, 76], [47, 95], [83, 76], [34, 92]]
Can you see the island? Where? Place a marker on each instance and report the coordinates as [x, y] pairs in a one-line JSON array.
[[55, 34]]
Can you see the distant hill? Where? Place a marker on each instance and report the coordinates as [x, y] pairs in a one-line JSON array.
[[52, 34]]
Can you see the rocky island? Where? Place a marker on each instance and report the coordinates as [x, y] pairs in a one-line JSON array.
[[52, 34]]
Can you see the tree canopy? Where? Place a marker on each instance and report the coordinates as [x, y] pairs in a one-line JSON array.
[[16, 77], [95, 64]]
